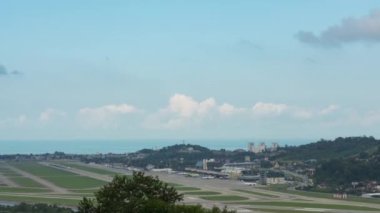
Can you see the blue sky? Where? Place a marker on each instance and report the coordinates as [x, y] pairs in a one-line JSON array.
[[189, 69]]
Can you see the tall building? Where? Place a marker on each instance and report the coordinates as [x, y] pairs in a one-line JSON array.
[[251, 147], [204, 164], [262, 147], [274, 147]]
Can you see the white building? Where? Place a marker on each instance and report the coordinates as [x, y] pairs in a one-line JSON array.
[[232, 171], [165, 170], [204, 163], [251, 147], [261, 148], [275, 180], [274, 147]]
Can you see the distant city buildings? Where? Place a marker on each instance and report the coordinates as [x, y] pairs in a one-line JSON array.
[[204, 163], [251, 147], [274, 147], [262, 147]]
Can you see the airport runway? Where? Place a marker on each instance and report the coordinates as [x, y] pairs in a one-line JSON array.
[[228, 187]]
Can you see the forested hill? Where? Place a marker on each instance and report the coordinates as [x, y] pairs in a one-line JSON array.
[[362, 168], [331, 149], [177, 156]]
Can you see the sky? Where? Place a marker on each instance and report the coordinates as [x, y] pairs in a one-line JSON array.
[[214, 69]]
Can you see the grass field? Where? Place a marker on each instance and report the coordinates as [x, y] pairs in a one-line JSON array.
[[59, 177], [33, 192], [25, 182], [202, 193], [41, 170], [186, 188], [174, 184], [224, 198], [308, 205], [74, 181], [84, 190], [4, 170], [40, 199], [88, 168], [256, 193], [8, 173], [22, 190]]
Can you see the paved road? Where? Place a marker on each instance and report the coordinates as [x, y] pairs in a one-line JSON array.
[[47, 184]]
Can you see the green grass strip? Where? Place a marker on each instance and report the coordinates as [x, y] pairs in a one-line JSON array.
[[202, 193], [186, 188], [224, 198], [84, 190], [90, 169], [26, 182], [41, 170], [22, 190], [31, 199], [75, 182], [256, 193], [59, 177], [174, 184]]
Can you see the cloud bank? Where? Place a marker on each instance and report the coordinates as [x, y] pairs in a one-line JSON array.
[[50, 114], [184, 115], [271, 109], [363, 29], [104, 116], [184, 111]]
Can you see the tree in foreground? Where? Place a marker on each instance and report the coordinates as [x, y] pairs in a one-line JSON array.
[[139, 194]]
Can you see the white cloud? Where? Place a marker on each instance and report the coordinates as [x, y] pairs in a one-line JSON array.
[[262, 109], [366, 28], [228, 109], [50, 114], [268, 109], [186, 106], [105, 115], [108, 110], [302, 113], [181, 109], [185, 111], [328, 110]]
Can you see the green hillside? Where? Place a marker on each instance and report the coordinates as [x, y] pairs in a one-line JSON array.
[[331, 149]]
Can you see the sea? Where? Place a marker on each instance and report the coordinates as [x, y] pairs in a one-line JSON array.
[[125, 146]]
